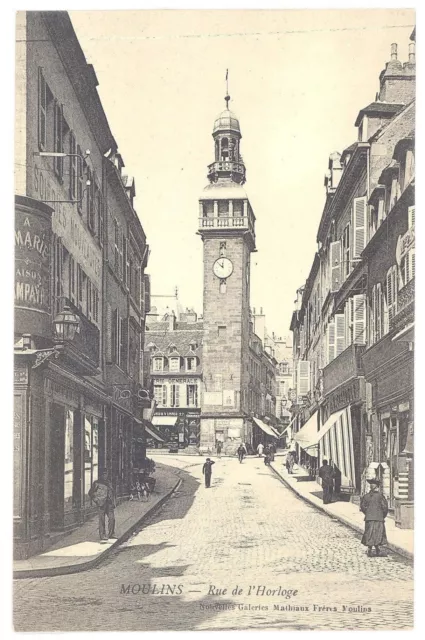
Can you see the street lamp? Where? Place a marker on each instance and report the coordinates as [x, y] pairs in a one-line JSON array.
[[66, 325]]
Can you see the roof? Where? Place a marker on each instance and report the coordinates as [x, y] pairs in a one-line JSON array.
[[224, 190], [225, 121], [182, 339], [388, 109]]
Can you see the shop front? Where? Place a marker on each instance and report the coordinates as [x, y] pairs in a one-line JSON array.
[[389, 368], [177, 429]]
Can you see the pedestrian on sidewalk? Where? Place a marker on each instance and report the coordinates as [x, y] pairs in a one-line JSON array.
[[241, 452], [207, 471], [289, 462], [375, 507], [102, 494], [219, 447], [260, 450], [327, 474]]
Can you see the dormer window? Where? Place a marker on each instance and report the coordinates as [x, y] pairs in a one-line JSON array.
[[174, 364], [193, 346], [152, 347], [190, 364], [172, 348], [158, 364]]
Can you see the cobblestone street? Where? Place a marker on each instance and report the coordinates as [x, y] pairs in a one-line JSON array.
[[249, 533]]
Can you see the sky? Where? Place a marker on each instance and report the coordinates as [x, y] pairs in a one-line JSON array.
[[297, 80]]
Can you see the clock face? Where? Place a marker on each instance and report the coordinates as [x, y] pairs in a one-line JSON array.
[[223, 268]]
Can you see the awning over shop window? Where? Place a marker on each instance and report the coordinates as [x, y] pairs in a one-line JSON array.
[[164, 421], [265, 427], [153, 434], [306, 437], [336, 439]]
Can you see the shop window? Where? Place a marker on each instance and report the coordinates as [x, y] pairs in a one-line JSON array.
[[91, 454], [69, 461]]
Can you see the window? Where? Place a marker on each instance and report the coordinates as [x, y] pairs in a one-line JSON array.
[[359, 226], [160, 394], [89, 299], [116, 246], [81, 287], [346, 251], [223, 208], [80, 181], [72, 291], [222, 330], [115, 337], [391, 291], [43, 93], [90, 200], [58, 273], [69, 460], [95, 294], [91, 453], [174, 364], [158, 364], [359, 319], [58, 138], [123, 363], [125, 260], [175, 395], [192, 395], [73, 167], [190, 364]]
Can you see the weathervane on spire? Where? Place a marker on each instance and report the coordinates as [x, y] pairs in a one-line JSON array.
[[227, 98]]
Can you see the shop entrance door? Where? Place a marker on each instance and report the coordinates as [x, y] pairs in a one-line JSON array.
[[57, 461]]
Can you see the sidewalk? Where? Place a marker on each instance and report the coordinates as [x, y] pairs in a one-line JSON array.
[[399, 540], [81, 549]]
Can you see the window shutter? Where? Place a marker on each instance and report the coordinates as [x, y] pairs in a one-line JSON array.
[[412, 263], [42, 110], [331, 341], [359, 319], [373, 318], [391, 285], [379, 312], [108, 345], [340, 333], [335, 251], [411, 217], [164, 395], [359, 226], [303, 377]]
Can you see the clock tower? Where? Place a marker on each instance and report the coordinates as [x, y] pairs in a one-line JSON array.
[[227, 228]]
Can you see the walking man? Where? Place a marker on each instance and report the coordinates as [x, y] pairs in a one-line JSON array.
[[289, 462], [102, 494], [260, 450], [327, 474], [219, 445], [375, 507], [207, 471], [241, 452]]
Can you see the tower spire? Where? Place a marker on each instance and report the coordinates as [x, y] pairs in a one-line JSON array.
[[227, 98]]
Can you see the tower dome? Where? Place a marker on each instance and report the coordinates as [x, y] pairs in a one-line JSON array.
[[226, 121]]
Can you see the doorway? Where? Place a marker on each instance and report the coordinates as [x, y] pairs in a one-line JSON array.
[[56, 480]]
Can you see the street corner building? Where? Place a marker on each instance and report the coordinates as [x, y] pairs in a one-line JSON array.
[[353, 326], [81, 292]]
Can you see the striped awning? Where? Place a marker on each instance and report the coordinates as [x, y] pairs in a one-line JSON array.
[[265, 427], [336, 440], [306, 437]]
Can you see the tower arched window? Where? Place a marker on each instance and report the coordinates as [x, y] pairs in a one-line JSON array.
[[224, 149], [217, 151]]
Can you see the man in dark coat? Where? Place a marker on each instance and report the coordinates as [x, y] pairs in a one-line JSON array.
[[327, 474], [103, 496], [375, 507], [207, 471]]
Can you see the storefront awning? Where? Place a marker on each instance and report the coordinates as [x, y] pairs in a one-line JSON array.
[[153, 434], [306, 437], [265, 427], [164, 421], [336, 444]]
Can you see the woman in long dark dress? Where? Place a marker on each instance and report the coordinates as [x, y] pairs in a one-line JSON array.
[[375, 507]]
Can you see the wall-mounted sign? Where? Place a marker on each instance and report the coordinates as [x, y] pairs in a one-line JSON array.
[[229, 398], [32, 260]]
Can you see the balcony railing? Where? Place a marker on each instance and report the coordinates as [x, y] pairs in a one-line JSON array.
[[405, 307], [87, 340], [344, 367], [226, 166], [227, 222]]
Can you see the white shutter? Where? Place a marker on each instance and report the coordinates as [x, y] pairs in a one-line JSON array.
[[303, 377], [412, 263], [378, 311], [359, 319], [391, 286], [359, 226], [340, 333], [108, 337], [411, 217], [335, 252], [331, 341]]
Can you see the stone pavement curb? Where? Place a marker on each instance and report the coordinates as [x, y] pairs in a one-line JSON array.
[[349, 523], [84, 566]]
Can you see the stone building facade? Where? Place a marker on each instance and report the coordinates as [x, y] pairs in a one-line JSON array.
[[62, 427], [353, 332]]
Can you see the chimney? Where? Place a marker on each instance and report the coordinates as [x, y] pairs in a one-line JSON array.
[[171, 321], [397, 80]]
